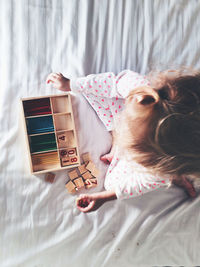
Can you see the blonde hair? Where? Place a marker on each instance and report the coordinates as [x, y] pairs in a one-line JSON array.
[[163, 132]]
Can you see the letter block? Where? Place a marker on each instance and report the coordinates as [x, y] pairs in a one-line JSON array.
[[82, 169], [79, 183], [87, 175], [73, 174], [71, 187], [49, 177], [86, 157]]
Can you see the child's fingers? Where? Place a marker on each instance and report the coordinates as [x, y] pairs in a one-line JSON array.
[[87, 208], [52, 77], [82, 202], [189, 187], [83, 199], [85, 203], [56, 75], [59, 74], [86, 196]]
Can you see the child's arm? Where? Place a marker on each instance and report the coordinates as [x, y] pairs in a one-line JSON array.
[[91, 202], [102, 85], [144, 183], [138, 184]]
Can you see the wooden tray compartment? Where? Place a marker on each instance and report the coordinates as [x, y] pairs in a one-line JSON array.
[[45, 161], [63, 122], [36, 107], [43, 142], [68, 156], [37, 125], [60, 104], [66, 139]]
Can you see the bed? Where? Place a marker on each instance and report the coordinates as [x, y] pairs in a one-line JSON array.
[[39, 223]]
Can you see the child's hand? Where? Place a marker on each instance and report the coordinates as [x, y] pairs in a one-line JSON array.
[[91, 202], [85, 202], [59, 81]]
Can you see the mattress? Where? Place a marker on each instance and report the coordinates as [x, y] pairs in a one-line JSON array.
[[39, 223]]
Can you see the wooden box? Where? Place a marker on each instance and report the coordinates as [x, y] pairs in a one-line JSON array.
[[50, 133]]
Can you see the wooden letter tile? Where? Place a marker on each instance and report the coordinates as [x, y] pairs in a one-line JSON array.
[[90, 166], [49, 177], [71, 152], [79, 183], [86, 157], [94, 181], [88, 184], [65, 161], [63, 153], [70, 187], [87, 175], [73, 160], [95, 172], [62, 139], [82, 169], [73, 174]]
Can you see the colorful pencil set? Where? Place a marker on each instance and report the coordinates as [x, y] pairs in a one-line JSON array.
[[38, 125], [37, 107]]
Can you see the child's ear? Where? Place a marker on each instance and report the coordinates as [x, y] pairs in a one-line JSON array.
[[144, 99], [146, 96]]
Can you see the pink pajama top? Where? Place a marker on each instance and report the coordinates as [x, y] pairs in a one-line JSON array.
[[106, 93]]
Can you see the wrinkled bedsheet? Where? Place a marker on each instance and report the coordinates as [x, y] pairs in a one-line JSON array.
[[39, 223]]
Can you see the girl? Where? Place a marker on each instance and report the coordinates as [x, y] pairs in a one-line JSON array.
[[156, 136]]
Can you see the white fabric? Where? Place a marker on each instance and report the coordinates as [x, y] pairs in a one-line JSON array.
[[39, 224]]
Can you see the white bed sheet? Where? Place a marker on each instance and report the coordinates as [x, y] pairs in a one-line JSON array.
[[39, 224]]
